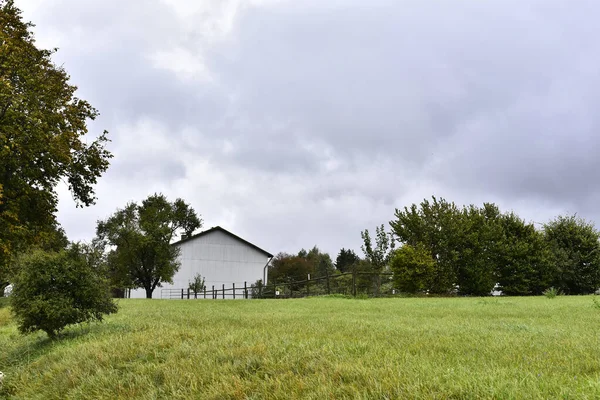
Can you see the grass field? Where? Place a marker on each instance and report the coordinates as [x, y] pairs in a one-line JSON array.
[[316, 348]]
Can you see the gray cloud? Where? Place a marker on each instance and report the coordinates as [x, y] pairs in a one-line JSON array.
[[301, 123]]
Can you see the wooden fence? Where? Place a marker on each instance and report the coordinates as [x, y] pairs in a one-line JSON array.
[[350, 283]]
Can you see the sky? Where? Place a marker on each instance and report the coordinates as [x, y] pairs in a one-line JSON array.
[[300, 123]]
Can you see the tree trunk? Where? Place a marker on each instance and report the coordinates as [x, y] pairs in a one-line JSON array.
[[149, 293]]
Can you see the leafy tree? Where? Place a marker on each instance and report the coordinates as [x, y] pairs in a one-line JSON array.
[[575, 248], [525, 264], [285, 268], [345, 260], [378, 256], [42, 129], [56, 289], [141, 235], [196, 285], [414, 268], [321, 262], [437, 226], [477, 246]]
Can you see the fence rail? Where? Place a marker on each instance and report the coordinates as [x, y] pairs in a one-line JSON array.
[[354, 283]]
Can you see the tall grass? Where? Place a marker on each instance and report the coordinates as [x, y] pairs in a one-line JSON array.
[[508, 348]]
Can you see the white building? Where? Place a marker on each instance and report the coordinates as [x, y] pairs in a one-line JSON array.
[[221, 257]]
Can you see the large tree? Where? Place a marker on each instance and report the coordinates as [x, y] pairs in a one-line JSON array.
[[435, 225], [140, 236], [42, 125], [525, 264], [575, 248]]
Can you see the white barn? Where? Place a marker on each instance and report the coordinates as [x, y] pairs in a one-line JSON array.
[[221, 257]]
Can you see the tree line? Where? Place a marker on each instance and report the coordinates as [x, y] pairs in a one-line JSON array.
[[468, 250]]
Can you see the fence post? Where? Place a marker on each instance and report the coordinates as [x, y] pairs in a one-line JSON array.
[[354, 282], [308, 288], [181, 294], [188, 294], [223, 291], [204, 291], [245, 291], [327, 276], [213, 292], [233, 290]]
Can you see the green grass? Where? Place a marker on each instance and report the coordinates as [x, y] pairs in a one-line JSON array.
[[317, 348]]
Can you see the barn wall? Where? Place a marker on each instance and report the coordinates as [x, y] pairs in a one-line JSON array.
[[219, 258]]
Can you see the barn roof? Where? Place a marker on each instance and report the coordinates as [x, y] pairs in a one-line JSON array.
[[218, 228]]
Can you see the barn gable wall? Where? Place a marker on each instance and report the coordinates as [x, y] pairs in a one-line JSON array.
[[220, 258]]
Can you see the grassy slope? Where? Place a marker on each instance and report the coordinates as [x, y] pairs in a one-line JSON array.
[[316, 348]]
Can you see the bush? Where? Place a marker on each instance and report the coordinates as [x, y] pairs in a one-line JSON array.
[[196, 285], [53, 290], [413, 268], [551, 292]]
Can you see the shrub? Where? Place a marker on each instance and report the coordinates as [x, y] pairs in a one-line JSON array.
[[53, 290], [413, 268], [551, 292], [196, 285]]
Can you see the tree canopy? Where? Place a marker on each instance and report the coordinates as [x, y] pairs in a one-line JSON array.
[[575, 247], [346, 260], [42, 125], [138, 239]]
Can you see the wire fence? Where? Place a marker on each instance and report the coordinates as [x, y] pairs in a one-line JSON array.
[[354, 283]]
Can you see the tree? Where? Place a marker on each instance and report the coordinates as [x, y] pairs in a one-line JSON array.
[[141, 234], [196, 285], [477, 245], [42, 125], [436, 225], [414, 268], [55, 289], [321, 262], [575, 248], [286, 268], [378, 256], [525, 264], [345, 260]]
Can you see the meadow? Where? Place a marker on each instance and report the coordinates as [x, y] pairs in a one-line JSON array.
[[315, 348]]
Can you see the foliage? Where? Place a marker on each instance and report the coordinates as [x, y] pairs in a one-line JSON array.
[[285, 268], [196, 285], [346, 259], [551, 292], [321, 263], [378, 256], [475, 248], [256, 289], [316, 348], [140, 236], [42, 129], [575, 248], [435, 225], [414, 269], [524, 260], [56, 289]]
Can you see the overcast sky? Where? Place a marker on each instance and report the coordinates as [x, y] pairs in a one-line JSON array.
[[302, 122]]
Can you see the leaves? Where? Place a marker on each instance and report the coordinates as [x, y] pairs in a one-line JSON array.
[[138, 239], [42, 129]]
